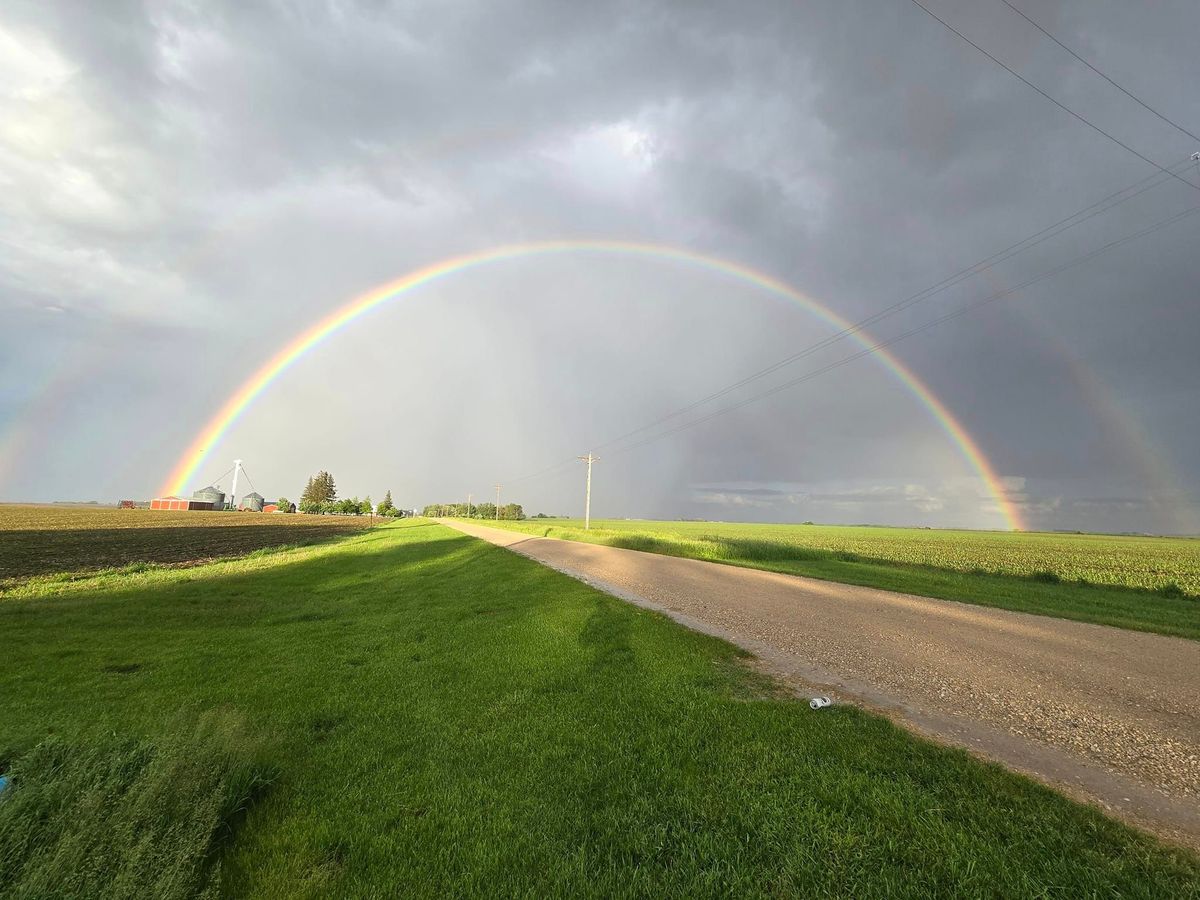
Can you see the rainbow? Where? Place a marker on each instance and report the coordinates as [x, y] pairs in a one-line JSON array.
[[185, 469]]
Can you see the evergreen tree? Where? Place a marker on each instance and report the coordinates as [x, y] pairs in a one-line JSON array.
[[328, 488], [385, 505], [309, 494], [320, 489]]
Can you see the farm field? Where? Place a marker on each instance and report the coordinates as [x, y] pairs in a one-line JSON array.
[[409, 711], [66, 541], [1144, 583]]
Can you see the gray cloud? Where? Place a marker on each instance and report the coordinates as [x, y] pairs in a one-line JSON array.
[[183, 188]]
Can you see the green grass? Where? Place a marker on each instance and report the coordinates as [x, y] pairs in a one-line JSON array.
[[128, 818], [413, 712], [1045, 574]]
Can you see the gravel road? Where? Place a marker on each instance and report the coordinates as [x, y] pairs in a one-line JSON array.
[[1108, 715]]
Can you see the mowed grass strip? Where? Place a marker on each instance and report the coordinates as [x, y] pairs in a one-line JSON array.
[[65, 541], [443, 717], [1020, 572]]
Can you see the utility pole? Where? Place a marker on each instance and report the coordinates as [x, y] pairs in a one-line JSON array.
[[587, 503], [469, 496], [497, 503]]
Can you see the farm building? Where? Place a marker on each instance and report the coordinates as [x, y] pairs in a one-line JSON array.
[[211, 494], [179, 503], [253, 502]]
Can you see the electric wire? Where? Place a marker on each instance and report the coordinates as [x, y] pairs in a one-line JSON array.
[[1082, 215], [983, 265], [1079, 260], [1057, 103], [1132, 96], [219, 478], [977, 268]]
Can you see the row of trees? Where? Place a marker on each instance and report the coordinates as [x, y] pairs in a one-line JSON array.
[[320, 498], [477, 510]]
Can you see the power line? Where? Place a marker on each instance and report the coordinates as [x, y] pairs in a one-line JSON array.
[[541, 472], [1057, 103], [983, 265], [924, 327], [1104, 204], [1136, 99], [222, 475], [1047, 233]]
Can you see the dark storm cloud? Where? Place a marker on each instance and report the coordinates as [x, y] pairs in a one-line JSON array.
[[196, 182]]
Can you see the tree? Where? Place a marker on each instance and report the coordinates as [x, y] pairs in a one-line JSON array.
[[512, 511], [320, 489], [285, 505], [327, 485], [385, 505], [367, 508], [308, 495], [485, 511]]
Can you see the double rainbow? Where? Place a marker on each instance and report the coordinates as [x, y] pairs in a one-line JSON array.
[[185, 469]]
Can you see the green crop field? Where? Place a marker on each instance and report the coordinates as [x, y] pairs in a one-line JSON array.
[[60, 542], [1145, 583], [411, 712]]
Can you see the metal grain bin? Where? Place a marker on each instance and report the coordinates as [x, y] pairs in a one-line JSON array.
[[211, 495]]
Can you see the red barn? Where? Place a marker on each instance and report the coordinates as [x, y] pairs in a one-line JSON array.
[[179, 504]]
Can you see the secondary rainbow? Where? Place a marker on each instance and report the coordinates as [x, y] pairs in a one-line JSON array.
[[196, 454]]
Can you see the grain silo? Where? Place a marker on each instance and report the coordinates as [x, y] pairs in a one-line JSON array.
[[211, 494], [253, 502]]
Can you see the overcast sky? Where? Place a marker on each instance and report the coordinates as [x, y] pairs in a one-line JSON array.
[[185, 187]]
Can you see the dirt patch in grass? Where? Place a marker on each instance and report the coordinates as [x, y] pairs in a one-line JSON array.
[[39, 541]]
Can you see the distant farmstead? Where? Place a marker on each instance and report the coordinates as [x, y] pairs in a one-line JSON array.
[[179, 504]]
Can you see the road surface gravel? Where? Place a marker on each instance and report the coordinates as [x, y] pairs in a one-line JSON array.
[[1108, 715]]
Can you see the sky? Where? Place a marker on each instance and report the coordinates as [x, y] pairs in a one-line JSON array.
[[185, 188]]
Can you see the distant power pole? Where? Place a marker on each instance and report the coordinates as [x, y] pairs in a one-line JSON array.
[[497, 503], [587, 503], [469, 496]]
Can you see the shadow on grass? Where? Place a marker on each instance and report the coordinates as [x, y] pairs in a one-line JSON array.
[[504, 729]]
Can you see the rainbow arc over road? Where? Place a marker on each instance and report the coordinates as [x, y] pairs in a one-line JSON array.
[[194, 457]]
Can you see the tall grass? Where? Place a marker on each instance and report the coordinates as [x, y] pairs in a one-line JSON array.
[[126, 818]]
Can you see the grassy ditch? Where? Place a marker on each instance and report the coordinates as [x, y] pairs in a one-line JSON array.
[[435, 716]]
